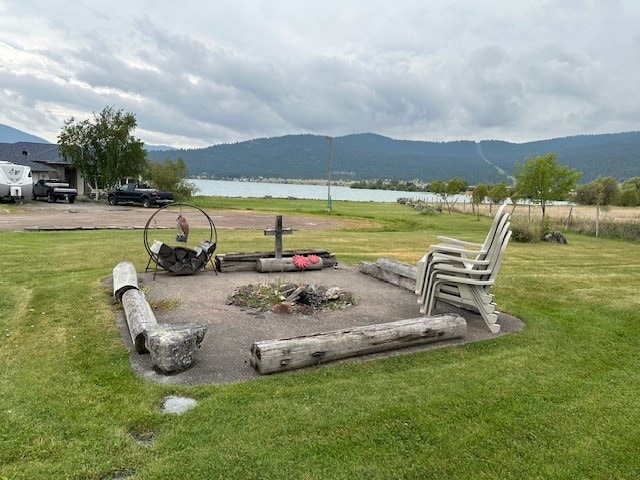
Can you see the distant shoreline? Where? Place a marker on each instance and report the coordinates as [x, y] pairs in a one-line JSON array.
[[296, 181], [306, 181]]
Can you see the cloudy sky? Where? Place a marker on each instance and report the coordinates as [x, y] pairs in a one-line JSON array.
[[203, 72]]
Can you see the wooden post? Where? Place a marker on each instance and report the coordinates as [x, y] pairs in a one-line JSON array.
[[278, 232], [290, 353]]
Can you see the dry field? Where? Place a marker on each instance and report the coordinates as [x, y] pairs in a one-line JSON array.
[[561, 212]]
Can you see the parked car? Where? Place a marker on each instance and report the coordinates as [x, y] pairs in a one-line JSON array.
[[54, 190], [139, 193]]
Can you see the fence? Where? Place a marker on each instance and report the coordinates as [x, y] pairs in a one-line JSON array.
[[615, 222]]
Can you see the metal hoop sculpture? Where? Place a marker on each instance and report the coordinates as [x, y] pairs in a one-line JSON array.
[[181, 260]]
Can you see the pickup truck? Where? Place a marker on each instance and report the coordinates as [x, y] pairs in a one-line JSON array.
[[54, 190], [139, 193]]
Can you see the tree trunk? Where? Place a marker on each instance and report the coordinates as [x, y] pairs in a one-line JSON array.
[[287, 354], [246, 262], [140, 317], [391, 271], [124, 278], [283, 265]]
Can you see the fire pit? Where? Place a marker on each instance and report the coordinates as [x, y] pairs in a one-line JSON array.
[[290, 298]]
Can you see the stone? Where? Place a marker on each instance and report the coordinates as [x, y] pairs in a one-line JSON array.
[[178, 405], [173, 347], [555, 237]]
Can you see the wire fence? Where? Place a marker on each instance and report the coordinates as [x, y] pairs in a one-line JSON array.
[[609, 221]]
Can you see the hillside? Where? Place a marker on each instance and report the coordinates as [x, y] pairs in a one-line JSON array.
[[369, 156], [12, 135]]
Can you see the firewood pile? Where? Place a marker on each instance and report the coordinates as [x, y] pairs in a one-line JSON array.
[[182, 260]]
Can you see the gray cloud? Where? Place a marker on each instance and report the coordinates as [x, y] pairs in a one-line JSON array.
[[202, 72]]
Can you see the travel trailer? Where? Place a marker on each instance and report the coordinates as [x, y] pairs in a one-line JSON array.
[[15, 181]]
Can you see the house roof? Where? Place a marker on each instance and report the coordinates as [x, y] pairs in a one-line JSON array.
[[39, 156]]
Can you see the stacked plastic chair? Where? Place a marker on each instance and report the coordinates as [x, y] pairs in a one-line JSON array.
[[462, 273]]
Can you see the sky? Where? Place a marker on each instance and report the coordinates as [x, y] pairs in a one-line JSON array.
[[203, 72]]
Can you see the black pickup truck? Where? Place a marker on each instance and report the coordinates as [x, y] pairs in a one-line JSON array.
[[139, 193], [54, 190]]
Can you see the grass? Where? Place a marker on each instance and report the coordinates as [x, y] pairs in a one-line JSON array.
[[561, 399]]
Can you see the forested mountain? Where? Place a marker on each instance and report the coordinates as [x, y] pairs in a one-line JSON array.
[[369, 156]]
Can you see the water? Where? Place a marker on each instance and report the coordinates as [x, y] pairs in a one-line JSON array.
[[225, 188]]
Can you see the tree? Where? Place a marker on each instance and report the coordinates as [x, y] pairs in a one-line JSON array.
[[103, 150], [542, 180], [629, 197], [499, 193], [478, 195], [171, 176], [601, 191], [630, 192], [452, 187]]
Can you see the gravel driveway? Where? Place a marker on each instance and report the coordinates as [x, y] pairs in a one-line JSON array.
[[88, 215]]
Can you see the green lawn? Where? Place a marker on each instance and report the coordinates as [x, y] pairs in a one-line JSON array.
[[559, 400]]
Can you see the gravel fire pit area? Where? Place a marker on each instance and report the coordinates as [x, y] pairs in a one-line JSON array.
[[225, 352]]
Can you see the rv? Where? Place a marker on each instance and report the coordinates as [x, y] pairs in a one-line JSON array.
[[15, 181]]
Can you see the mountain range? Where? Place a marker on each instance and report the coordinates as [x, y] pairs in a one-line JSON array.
[[368, 156]]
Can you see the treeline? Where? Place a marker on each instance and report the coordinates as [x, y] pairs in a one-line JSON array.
[[390, 185], [608, 191]]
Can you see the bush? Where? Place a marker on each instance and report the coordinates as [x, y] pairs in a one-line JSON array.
[[529, 232]]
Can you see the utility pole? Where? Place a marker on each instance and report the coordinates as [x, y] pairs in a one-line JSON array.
[[329, 207]]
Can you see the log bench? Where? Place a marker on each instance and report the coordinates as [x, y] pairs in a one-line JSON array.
[[273, 356]]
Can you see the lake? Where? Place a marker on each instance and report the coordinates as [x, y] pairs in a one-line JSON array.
[[228, 188]]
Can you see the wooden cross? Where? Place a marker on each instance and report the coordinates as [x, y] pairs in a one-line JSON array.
[[278, 232]]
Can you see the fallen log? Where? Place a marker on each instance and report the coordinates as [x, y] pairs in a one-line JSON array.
[[273, 356], [264, 265], [246, 262], [391, 271], [140, 317], [124, 278]]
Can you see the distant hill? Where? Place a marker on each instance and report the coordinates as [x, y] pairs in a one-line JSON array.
[[369, 156], [12, 135], [155, 148]]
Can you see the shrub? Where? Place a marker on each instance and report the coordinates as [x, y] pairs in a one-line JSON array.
[[530, 232]]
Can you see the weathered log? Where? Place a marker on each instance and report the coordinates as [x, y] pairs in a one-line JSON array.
[[284, 265], [391, 271], [139, 316], [246, 262], [124, 278], [272, 356]]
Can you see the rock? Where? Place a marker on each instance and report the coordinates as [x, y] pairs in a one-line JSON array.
[[284, 308], [332, 293], [173, 347], [555, 237], [176, 404]]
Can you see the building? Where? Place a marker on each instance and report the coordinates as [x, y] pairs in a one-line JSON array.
[[44, 160]]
